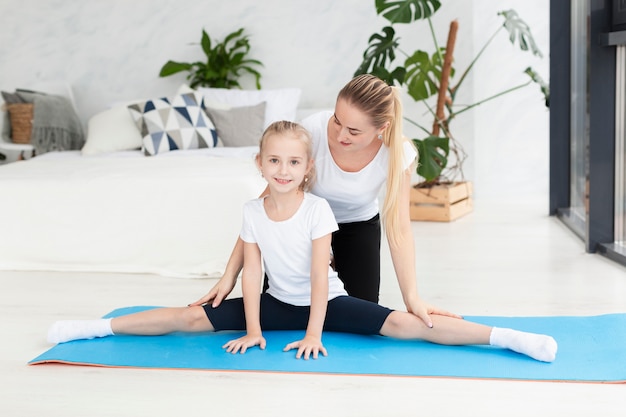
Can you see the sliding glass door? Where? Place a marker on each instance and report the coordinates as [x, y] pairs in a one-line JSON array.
[[620, 148], [579, 118], [588, 122]]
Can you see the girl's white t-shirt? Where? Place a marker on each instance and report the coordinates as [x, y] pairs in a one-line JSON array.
[[353, 196], [286, 247]]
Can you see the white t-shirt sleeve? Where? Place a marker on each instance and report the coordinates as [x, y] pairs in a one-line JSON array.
[[247, 226], [323, 220]]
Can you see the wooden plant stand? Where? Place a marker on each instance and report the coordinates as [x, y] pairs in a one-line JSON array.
[[441, 203]]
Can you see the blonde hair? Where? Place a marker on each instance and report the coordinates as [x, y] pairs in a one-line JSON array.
[[298, 132], [382, 104]]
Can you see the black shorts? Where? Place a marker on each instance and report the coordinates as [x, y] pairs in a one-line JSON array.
[[344, 314]]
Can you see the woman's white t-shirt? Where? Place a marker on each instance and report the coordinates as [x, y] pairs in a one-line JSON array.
[[286, 247], [353, 196]]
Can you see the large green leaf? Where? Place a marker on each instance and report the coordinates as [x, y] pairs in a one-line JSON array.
[[433, 156], [233, 36], [172, 67], [406, 11], [423, 74], [390, 77], [520, 31], [205, 42], [380, 51]]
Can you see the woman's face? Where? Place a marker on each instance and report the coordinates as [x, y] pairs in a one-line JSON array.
[[351, 128]]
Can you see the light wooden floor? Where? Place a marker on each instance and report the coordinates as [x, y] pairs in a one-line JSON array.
[[501, 260]]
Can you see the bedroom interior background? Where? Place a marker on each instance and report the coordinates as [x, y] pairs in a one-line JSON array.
[[111, 52]]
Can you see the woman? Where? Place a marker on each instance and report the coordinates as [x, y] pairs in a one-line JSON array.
[[357, 149]]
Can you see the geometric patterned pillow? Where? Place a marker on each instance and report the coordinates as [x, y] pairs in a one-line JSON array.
[[169, 124]]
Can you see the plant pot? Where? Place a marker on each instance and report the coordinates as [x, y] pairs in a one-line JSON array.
[[442, 202]]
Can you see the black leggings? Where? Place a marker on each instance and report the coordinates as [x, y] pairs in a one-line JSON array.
[[356, 251], [344, 314]]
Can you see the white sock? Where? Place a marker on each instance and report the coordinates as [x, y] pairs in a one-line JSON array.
[[68, 330], [537, 346]]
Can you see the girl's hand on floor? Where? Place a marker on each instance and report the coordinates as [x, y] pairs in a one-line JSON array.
[[243, 343], [307, 347]]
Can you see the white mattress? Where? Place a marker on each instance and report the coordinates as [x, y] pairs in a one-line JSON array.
[[176, 214]]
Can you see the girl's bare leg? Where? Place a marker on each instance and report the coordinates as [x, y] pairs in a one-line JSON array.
[[445, 331], [162, 321], [452, 331], [150, 322]]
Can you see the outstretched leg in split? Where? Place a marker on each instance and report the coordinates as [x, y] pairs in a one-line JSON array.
[[452, 331], [154, 322]]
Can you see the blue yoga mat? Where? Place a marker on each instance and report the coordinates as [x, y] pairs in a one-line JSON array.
[[591, 349]]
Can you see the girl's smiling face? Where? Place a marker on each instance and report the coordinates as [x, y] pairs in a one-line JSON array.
[[284, 162]]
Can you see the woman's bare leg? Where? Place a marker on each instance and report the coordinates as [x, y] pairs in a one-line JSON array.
[[452, 331]]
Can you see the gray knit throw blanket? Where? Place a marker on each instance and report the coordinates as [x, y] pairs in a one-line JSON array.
[[56, 126]]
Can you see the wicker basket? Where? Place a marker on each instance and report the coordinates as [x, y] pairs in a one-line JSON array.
[[21, 117]]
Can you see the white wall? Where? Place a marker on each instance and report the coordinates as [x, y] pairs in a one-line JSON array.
[[512, 133], [112, 50]]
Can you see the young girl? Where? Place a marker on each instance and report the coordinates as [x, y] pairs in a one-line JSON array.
[[287, 235]]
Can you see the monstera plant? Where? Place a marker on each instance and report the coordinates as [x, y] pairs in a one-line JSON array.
[[225, 62], [428, 74]]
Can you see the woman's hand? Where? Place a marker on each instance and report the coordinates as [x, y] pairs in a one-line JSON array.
[[243, 343], [307, 347], [423, 310], [218, 293]]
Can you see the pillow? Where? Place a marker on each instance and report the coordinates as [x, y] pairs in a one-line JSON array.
[[184, 88], [239, 126], [168, 124], [281, 103], [12, 98], [111, 131]]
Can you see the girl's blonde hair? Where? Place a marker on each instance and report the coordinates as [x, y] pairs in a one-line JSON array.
[[382, 104], [297, 132]]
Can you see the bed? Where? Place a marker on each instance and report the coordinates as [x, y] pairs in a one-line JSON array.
[[176, 215], [119, 205]]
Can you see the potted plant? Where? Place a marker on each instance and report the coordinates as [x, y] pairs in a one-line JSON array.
[[223, 66], [443, 194]]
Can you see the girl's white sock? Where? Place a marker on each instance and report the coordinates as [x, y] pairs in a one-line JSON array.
[[537, 346], [68, 330]]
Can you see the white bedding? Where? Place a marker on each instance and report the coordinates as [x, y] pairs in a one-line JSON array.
[[176, 214]]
